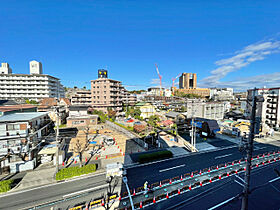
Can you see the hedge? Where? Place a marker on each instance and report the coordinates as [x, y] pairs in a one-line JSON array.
[[127, 128], [67, 173], [5, 185], [144, 158]]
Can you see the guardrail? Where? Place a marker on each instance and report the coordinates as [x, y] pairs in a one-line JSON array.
[[189, 181]]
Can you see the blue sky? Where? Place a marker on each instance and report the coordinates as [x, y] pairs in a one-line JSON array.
[[227, 43]]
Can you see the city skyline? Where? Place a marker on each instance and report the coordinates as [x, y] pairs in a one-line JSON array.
[[73, 40]]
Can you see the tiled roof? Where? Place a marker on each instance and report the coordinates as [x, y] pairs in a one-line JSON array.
[[16, 107], [66, 100], [49, 102]]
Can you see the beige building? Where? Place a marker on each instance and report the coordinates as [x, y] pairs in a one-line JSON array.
[[106, 93], [187, 81], [128, 98], [81, 97]]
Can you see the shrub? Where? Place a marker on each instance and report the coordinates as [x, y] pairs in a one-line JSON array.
[[144, 158], [67, 173], [5, 185]]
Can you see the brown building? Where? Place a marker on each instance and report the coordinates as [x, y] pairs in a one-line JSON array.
[[187, 81], [106, 93], [82, 97]]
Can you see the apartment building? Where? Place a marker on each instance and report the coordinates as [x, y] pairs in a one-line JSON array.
[[128, 98], [208, 110], [33, 86], [221, 94], [106, 93], [20, 137], [81, 97], [269, 110]]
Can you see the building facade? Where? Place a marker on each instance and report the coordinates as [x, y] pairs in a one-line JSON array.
[[33, 86], [20, 137], [188, 81], [269, 110], [221, 94], [106, 94], [81, 97], [208, 110]]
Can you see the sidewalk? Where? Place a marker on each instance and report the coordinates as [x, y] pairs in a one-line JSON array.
[[36, 178]]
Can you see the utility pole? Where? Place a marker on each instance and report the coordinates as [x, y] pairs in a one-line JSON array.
[[56, 137], [249, 149]]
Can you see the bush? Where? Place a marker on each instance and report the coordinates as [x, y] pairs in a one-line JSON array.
[[5, 185], [67, 173], [144, 158], [127, 128]]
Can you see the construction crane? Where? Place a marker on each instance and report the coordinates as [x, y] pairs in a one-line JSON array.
[[174, 79], [160, 77]]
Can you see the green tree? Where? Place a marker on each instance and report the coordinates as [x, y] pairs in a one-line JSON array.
[[153, 120]]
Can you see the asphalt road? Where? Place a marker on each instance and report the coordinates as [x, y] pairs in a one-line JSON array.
[[265, 193], [167, 169], [23, 199]]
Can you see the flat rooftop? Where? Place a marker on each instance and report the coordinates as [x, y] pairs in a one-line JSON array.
[[22, 117]]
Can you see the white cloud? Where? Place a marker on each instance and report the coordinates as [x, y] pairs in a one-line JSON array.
[[242, 84], [249, 54]]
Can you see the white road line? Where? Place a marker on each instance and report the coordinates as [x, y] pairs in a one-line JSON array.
[[259, 148], [239, 183], [240, 178], [223, 156], [83, 191], [220, 204], [274, 179], [167, 169]]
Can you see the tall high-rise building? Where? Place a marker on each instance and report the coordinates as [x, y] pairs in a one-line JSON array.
[[5, 68], [35, 67], [187, 81]]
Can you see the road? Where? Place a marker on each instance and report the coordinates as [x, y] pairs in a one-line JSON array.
[[265, 186], [27, 198], [136, 177], [167, 169]]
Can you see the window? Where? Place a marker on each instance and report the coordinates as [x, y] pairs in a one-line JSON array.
[[11, 127]]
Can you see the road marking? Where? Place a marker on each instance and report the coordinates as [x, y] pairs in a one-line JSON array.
[[167, 169], [83, 191], [220, 204], [240, 178], [274, 179], [239, 183], [259, 148], [223, 156]]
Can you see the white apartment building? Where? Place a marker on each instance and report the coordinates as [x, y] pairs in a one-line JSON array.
[[269, 110], [208, 110], [221, 94], [21, 135], [33, 86]]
